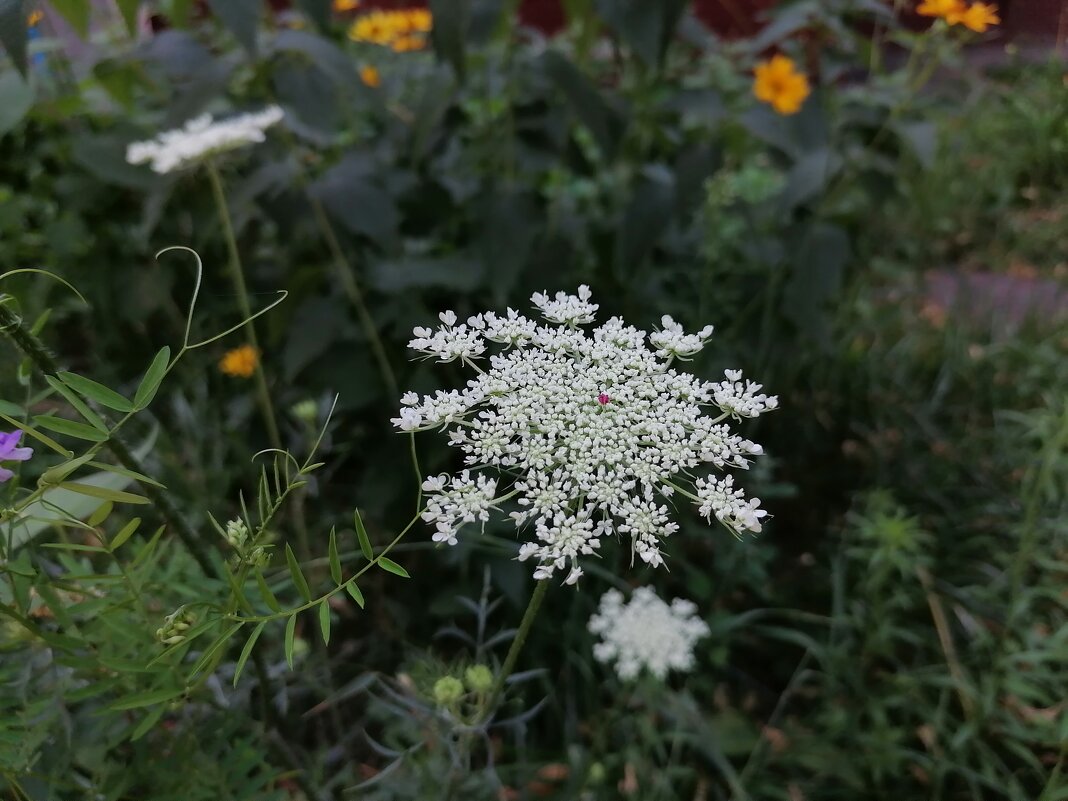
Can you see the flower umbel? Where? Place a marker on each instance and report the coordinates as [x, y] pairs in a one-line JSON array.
[[779, 83], [240, 362], [593, 430], [202, 137], [646, 633], [10, 452]]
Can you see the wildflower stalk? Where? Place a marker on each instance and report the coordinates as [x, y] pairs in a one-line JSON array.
[[540, 588], [37, 353], [237, 276], [346, 275]]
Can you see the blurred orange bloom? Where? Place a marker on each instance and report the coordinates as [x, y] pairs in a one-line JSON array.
[[940, 8], [370, 76], [240, 362], [341, 6], [781, 84], [977, 17]]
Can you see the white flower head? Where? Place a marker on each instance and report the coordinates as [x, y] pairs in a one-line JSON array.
[[201, 137], [646, 633], [594, 430]]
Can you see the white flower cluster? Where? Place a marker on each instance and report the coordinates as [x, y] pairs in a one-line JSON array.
[[200, 137], [596, 428], [646, 633]]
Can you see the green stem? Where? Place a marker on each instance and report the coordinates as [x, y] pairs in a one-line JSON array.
[[347, 276], [37, 353], [237, 276], [517, 644]]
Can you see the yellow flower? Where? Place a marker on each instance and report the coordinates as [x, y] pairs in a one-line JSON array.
[[240, 362], [405, 44], [402, 30], [341, 6], [369, 75], [940, 8], [779, 83], [34, 18], [977, 17], [420, 19]]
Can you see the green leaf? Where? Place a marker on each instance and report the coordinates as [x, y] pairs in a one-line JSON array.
[[298, 577], [128, 9], [324, 621], [91, 417], [353, 194], [148, 698], [63, 426], [250, 643], [127, 531], [131, 474], [646, 27], [76, 13], [241, 18], [586, 102], [37, 435], [206, 658], [153, 376], [335, 561], [361, 534], [392, 567], [13, 32], [54, 475], [318, 11], [449, 34], [356, 594], [96, 391], [291, 628], [150, 720], [266, 594], [101, 514], [16, 99], [106, 493]]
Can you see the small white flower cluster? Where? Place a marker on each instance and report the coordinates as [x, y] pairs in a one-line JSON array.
[[646, 633], [200, 137], [597, 428]]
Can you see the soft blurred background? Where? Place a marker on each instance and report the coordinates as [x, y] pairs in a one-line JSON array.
[[882, 244]]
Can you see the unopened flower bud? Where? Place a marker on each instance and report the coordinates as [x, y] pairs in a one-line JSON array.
[[236, 533], [448, 690], [478, 678]]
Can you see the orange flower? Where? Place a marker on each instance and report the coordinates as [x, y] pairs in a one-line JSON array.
[[341, 6], [977, 17], [240, 362], [779, 83], [941, 8], [369, 75], [34, 18], [406, 44], [402, 30]]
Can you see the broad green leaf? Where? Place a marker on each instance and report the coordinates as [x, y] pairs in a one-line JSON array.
[[13, 33], [91, 417], [586, 101], [324, 621], [63, 426], [291, 628], [76, 13], [153, 376], [449, 33], [104, 493], [96, 391], [124, 534], [266, 594], [361, 534], [250, 643], [356, 594], [148, 698], [335, 561], [241, 18], [128, 9], [646, 27], [392, 567], [298, 577], [16, 99]]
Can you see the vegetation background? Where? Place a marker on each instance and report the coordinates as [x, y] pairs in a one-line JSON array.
[[889, 260]]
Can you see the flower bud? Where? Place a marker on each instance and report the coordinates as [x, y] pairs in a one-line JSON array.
[[478, 678], [447, 691], [236, 533]]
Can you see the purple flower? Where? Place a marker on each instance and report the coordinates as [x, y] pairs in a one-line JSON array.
[[10, 453]]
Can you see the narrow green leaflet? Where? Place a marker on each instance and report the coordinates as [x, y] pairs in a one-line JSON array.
[[298, 577], [356, 593], [54, 475], [125, 534], [95, 391], [150, 720], [392, 567], [324, 621], [250, 643], [91, 417], [291, 629], [106, 493], [147, 698], [70, 428], [361, 533], [335, 560], [153, 376], [101, 514], [37, 435], [266, 594]]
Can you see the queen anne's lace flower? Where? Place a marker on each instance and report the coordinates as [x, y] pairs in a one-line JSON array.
[[201, 137], [646, 633], [596, 428]]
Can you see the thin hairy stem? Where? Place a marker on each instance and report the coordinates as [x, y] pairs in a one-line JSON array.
[[36, 352], [237, 276], [518, 642]]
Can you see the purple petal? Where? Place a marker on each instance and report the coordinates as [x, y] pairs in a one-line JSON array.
[[8, 441], [5, 475], [19, 454]]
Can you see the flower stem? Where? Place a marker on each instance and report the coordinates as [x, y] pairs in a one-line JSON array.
[[237, 276], [520, 639], [347, 277]]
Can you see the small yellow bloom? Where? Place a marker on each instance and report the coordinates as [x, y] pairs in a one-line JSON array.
[[406, 44], [34, 18], [940, 8], [369, 75], [779, 83], [240, 362], [420, 19], [402, 30], [341, 6], [977, 17]]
